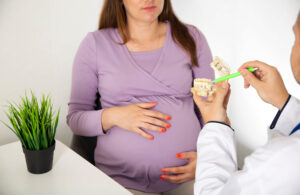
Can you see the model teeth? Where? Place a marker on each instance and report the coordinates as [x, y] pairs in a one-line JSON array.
[[206, 87], [220, 67], [203, 87]]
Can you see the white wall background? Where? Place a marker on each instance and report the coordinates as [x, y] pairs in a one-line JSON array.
[[38, 40]]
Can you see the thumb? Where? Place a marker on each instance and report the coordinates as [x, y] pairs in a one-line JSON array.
[[146, 104], [221, 93], [198, 99], [250, 78]]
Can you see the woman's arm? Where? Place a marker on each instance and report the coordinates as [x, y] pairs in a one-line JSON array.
[[203, 54], [204, 59], [82, 117]]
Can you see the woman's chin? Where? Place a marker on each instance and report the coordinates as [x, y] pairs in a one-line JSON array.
[[148, 17]]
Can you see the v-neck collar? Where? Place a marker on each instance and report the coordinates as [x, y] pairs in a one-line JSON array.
[[161, 56]]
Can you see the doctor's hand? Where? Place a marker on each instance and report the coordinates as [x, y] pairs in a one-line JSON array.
[[133, 117], [267, 82], [182, 173], [214, 107]]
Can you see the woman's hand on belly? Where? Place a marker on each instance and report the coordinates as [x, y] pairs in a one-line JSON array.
[[182, 173], [135, 116]]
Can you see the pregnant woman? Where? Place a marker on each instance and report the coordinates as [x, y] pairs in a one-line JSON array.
[[142, 62]]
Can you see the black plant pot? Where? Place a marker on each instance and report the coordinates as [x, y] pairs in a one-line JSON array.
[[39, 161]]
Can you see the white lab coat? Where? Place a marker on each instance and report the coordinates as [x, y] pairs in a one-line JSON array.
[[273, 169]]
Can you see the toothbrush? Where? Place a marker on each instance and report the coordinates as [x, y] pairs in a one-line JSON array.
[[230, 76]]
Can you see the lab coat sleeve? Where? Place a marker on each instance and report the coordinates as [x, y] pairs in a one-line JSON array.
[[289, 118], [216, 158]]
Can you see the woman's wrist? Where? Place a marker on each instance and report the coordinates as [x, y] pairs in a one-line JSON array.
[[107, 119]]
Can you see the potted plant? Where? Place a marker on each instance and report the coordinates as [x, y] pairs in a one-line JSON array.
[[35, 125]]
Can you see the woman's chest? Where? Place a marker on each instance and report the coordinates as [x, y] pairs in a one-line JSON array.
[[121, 75]]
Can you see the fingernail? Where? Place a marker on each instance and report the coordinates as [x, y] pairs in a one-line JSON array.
[[168, 126], [163, 171], [162, 178], [152, 138], [163, 130], [153, 102], [168, 118], [178, 155]]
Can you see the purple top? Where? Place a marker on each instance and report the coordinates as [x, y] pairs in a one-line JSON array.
[[147, 60], [101, 65]]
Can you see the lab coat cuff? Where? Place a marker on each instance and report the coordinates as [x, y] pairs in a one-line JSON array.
[[273, 124], [218, 122], [289, 117]]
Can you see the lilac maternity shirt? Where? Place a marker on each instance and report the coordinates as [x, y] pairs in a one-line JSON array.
[[123, 78]]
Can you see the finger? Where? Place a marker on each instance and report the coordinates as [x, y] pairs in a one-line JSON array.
[[156, 114], [221, 92], [250, 78], [143, 133], [146, 104], [255, 64], [175, 178], [199, 100], [187, 155], [155, 121], [226, 100], [151, 127], [177, 170], [246, 84], [259, 74]]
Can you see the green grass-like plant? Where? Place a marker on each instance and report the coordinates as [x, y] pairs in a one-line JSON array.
[[33, 123]]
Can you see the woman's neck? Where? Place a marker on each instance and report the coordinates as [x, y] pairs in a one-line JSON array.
[[142, 31]]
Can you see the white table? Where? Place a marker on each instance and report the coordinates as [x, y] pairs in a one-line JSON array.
[[70, 175]]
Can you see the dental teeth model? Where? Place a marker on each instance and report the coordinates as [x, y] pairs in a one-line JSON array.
[[206, 87], [203, 87], [220, 67]]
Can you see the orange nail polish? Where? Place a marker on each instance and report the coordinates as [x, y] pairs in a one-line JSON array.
[[163, 130], [152, 138], [168, 126], [162, 178], [168, 118], [153, 102], [178, 155], [163, 171]]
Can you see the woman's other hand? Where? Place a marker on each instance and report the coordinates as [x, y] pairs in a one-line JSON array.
[[181, 173]]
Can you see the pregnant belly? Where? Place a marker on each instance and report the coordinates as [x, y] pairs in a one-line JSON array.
[[123, 152]]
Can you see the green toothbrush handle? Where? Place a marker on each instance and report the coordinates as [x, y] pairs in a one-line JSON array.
[[224, 78]]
